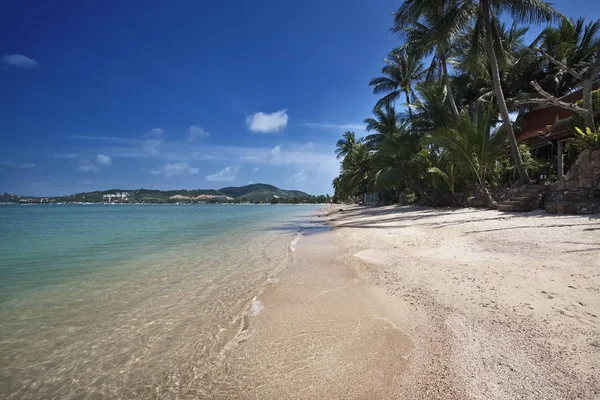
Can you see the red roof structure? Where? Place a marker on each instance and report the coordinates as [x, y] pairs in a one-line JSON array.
[[542, 125]]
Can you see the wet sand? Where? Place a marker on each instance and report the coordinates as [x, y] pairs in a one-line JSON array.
[[321, 334], [411, 303]]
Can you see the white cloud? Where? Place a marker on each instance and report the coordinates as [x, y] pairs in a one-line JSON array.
[[340, 127], [19, 61], [87, 182], [227, 174], [298, 177], [16, 165], [87, 167], [196, 131], [255, 169], [153, 141], [170, 169], [266, 123], [103, 160]]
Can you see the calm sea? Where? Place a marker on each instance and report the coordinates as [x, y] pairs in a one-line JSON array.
[[106, 301]]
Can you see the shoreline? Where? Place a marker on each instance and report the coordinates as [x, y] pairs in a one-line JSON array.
[[410, 302]]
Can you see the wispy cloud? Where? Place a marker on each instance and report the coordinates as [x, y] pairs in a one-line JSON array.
[[195, 132], [298, 177], [101, 159], [255, 169], [339, 127], [11, 164], [197, 155], [19, 61], [88, 167], [64, 156], [91, 166], [153, 141], [115, 139], [171, 169], [227, 174], [266, 123]]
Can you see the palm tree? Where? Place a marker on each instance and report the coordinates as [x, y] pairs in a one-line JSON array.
[[355, 170], [473, 145], [386, 122], [456, 15], [402, 69], [430, 26], [433, 111], [517, 65], [574, 44], [346, 145], [399, 162], [522, 11]]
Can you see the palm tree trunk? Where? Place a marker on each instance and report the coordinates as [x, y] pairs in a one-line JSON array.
[[588, 85], [407, 94], [514, 147], [486, 196], [447, 83]]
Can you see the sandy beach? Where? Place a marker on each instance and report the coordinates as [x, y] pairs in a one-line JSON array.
[[416, 303]]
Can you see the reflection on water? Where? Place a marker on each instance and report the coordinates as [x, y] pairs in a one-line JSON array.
[[131, 301]]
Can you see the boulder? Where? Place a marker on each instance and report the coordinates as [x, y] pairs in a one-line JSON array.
[[585, 184], [579, 191]]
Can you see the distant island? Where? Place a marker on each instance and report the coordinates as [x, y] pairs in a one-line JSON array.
[[258, 193]]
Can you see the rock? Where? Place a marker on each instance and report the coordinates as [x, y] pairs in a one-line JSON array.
[[571, 184], [579, 191], [573, 172]]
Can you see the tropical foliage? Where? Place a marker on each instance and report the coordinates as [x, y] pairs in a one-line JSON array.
[[586, 139], [441, 124]]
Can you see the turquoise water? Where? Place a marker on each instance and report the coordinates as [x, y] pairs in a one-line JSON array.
[[132, 300]]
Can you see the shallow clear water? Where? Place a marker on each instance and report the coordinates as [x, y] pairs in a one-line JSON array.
[[132, 300]]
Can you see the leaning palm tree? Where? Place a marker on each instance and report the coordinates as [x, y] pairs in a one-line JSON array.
[[402, 69], [531, 11], [386, 122], [457, 15], [346, 144], [517, 65]]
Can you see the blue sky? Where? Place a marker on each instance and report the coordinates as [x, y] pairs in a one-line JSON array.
[[99, 95]]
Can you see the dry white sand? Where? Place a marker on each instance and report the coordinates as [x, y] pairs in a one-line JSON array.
[[508, 303], [415, 303]]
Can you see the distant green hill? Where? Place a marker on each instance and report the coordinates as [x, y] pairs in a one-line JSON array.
[[255, 193], [261, 192]]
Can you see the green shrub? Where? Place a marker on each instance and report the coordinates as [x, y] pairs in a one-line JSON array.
[[407, 197], [586, 140]]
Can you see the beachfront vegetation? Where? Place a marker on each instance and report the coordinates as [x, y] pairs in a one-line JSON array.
[[442, 123]]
